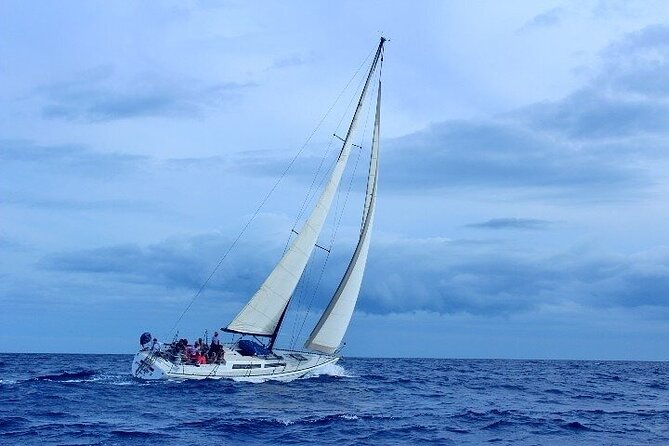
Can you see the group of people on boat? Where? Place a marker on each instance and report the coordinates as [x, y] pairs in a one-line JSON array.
[[199, 352]]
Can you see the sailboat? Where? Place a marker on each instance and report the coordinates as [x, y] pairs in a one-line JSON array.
[[263, 314]]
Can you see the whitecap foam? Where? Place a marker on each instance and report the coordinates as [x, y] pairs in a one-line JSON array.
[[329, 370], [349, 417]]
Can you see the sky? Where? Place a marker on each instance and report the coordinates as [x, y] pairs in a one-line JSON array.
[[523, 187]]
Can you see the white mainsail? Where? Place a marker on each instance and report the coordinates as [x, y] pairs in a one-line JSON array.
[[331, 328], [263, 313]]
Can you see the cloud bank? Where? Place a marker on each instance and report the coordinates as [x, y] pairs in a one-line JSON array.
[[98, 96]]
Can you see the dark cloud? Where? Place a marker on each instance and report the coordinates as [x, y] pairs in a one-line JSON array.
[[98, 96], [441, 277], [639, 45], [499, 154], [181, 263], [512, 223], [66, 159], [62, 204], [591, 113]]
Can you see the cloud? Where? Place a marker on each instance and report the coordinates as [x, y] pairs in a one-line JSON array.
[[501, 155], [548, 18], [294, 60], [592, 145], [403, 276], [178, 263], [493, 153], [638, 64], [60, 204], [626, 99], [593, 114], [67, 159], [98, 96], [10, 243], [446, 278], [593, 142], [612, 9], [512, 223]]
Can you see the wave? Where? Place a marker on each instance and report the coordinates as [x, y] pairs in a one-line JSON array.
[[12, 422], [68, 376], [253, 425], [499, 424], [576, 426], [141, 435]]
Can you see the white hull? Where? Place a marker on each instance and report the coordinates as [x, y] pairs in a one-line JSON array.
[[285, 365]]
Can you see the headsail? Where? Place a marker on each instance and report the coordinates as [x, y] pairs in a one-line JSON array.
[[262, 315], [331, 328]]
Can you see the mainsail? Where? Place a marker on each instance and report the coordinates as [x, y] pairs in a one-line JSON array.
[[263, 314], [331, 328]]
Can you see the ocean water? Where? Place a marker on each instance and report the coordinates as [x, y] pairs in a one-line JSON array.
[[93, 399]]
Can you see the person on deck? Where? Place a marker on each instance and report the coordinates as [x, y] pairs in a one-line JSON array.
[[215, 348], [201, 346], [191, 352]]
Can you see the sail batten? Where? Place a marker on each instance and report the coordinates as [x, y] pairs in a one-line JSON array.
[[331, 328], [263, 313]]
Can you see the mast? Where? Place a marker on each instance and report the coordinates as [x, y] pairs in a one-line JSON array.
[[264, 312], [331, 328]]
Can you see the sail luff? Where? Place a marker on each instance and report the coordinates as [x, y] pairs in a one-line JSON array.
[[262, 314], [331, 328]]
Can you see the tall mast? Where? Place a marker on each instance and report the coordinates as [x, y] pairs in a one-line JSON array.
[[347, 143], [331, 327], [377, 56]]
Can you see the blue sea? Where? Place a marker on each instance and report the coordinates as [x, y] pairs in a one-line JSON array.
[[92, 399]]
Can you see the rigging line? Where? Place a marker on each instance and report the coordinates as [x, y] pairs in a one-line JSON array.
[[306, 278], [368, 192], [265, 199], [299, 301], [350, 185], [309, 196], [338, 222]]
